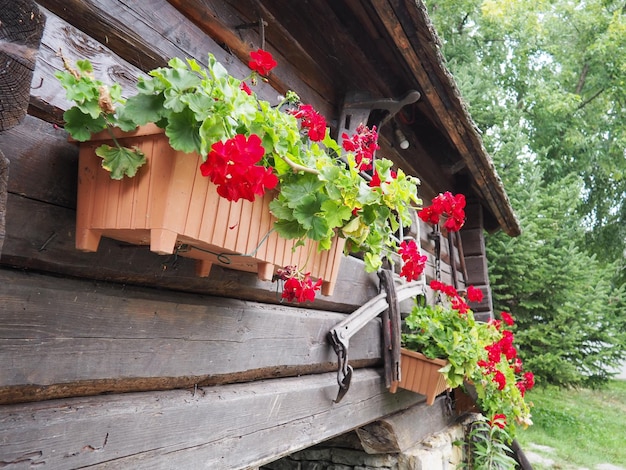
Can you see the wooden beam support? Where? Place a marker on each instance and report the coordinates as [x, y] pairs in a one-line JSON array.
[[398, 432], [229, 426], [4, 185], [423, 59]]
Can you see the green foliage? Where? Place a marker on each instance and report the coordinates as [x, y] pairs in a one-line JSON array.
[[438, 331], [545, 83], [570, 318], [487, 447], [120, 161], [448, 330], [321, 192]]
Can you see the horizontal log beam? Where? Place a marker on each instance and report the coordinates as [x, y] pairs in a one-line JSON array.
[[398, 432], [229, 426], [63, 337]]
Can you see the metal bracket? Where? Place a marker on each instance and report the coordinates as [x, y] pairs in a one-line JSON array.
[[339, 336], [357, 109], [261, 24]]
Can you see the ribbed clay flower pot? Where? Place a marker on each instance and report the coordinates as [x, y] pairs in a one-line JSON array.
[[170, 206], [421, 375]]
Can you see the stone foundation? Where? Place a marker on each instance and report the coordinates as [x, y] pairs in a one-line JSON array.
[[436, 452]]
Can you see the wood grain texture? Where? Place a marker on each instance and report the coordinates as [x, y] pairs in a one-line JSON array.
[[57, 335], [21, 27], [229, 426], [4, 184], [398, 433]]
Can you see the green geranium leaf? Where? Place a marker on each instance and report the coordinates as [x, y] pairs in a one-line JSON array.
[[200, 104], [307, 210], [81, 125], [83, 92], [143, 109], [280, 210], [298, 192], [183, 131], [212, 130], [372, 262], [84, 66], [121, 161], [335, 212], [289, 229]]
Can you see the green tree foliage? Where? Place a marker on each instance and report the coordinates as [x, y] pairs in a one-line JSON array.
[[545, 81], [570, 318]]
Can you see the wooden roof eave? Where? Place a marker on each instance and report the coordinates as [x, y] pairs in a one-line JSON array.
[[420, 48]]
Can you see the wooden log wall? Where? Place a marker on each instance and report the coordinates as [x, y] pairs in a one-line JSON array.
[[124, 358]]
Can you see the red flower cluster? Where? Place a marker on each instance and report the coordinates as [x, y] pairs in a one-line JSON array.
[[364, 142], [413, 263], [298, 287], [474, 294], [504, 348], [231, 166], [446, 205], [311, 120], [457, 302], [499, 420], [262, 62], [446, 289]]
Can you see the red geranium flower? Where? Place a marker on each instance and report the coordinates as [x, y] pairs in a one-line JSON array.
[[301, 288], [446, 205], [448, 290], [474, 294], [375, 181], [498, 420], [364, 143], [413, 262], [529, 380], [244, 86], [506, 318], [231, 166], [500, 379], [311, 120], [261, 62]]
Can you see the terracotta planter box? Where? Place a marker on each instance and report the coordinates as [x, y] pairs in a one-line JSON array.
[[421, 375], [171, 207]]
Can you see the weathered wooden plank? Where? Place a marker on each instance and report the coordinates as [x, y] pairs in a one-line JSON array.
[[61, 38], [229, 426], [54, 170], [62, 337], [473, 241], [398, 433], [4, 184]]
